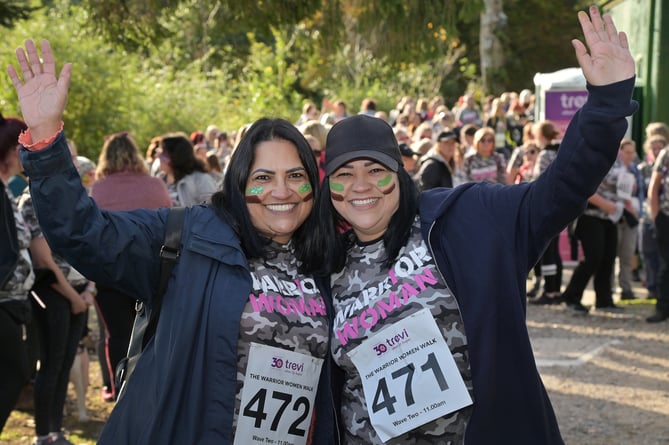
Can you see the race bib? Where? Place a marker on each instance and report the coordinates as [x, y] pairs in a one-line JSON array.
[[278, 397], [625, 185], [409, 376]]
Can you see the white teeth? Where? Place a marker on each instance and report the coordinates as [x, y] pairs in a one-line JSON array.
[[280, 207], [364, 202]]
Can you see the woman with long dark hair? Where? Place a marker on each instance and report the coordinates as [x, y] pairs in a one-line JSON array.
[[240, 347]]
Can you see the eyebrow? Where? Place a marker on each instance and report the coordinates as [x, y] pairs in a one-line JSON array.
[[366, 164], [272, 172]]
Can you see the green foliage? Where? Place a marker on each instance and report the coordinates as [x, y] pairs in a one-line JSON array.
[[212, 69], [13, 11]]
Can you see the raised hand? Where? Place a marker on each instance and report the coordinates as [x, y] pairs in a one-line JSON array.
[[609, 59], [42, 96]]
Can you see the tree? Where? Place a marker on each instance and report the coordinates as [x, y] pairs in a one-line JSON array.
[[493, 22], [12, 11]]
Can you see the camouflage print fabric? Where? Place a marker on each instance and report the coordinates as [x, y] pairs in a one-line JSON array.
[[364, 286], [607, 189], [516, 158], [544, 159], [491, 169], [662, 167], [19, 284], [28, 212], [285, 310]]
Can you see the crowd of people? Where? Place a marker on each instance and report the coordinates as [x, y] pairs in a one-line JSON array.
[[325, 262]]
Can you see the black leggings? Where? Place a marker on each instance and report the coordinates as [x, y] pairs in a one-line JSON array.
[[551, 267], [599, 238], [59, 334], [116, 312], [15, 363]]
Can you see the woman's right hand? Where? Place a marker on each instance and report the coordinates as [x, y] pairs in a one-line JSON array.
[[41, 95]]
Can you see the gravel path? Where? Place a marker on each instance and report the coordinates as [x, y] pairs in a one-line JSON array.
[[607, 373]]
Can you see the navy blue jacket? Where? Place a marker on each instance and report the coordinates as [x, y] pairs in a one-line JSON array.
[[485, 238], [183, 388]]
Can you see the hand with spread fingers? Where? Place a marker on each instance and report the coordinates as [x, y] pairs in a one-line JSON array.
[[607, 58], [42, 95]]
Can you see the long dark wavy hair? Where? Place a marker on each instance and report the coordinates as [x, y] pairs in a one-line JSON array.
[[230, 202], [338, 241], [179, 149]]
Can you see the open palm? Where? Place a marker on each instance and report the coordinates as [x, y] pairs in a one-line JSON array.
[[42, 96], [609, 59]]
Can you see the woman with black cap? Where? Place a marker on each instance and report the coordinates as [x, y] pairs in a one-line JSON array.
[[429, 292]]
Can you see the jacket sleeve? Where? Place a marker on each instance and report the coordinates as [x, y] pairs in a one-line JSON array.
[[115, 249]]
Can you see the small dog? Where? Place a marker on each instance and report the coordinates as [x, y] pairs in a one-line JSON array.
[[80, 379]]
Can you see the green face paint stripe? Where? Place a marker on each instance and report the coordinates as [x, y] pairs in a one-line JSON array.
[[255, 191], [336, 187], [385, 181], [304, 188]]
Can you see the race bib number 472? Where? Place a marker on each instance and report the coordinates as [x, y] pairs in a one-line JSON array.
[[409, 376], [278, 397]]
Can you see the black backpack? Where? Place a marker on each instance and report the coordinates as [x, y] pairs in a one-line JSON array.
[[144, 327]]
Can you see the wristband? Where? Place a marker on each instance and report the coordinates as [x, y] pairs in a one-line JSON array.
[[26, 139]]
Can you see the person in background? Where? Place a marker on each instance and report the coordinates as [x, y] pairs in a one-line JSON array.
[[437, 167], [215, 169], [409, 158], [187, 180], [658, 199], [502, 127], [467, 133], [309, 113], [425, 313], [468, 113], [597, 230], [647, 239], [628, 226], [546, 139], [485, 165], [210, 137], [60, 316], [16, 278], [120, 173], [368, 106], [519, 171]]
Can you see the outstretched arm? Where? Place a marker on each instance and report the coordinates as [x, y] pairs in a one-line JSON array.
[[607, 58], [42, 96]]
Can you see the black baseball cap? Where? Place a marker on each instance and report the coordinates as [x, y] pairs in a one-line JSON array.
[[446, 136], [405, 150], [361, 136]]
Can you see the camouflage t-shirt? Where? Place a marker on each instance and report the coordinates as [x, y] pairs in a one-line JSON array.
[[608, 189], [21, 281], [491, 169], [285, 310], [661, 166], [367, 299], [28, 212]]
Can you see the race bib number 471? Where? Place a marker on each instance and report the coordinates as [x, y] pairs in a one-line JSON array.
[[278, 397], [409, 376]]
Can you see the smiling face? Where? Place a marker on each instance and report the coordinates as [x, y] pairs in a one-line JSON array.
[[366, 194], [279, 196]]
